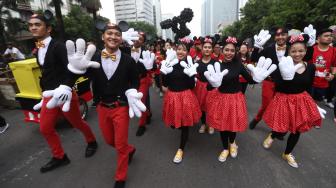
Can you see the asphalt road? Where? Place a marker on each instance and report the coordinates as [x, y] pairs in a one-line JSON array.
[[23, 151]]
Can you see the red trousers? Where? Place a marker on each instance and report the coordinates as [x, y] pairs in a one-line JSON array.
[[48, 118], [267, 93], [113, 123], [145, 83]]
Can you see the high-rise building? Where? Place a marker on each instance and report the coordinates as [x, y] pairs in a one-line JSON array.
[[134, 10], [217, 14], [167, 33], [157, 16]]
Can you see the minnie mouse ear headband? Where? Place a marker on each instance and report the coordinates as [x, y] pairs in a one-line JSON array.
[[101, 25], [197, 41], [207, 39], [46, 17], [230, 40], [301, 38]]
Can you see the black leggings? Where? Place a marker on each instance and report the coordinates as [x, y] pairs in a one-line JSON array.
[[243, 87], [291, 141], [203, 118], [184, 136], [227, 136]]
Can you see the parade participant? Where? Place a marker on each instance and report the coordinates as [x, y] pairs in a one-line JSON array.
[[116, 82], [292, 109], [56, 83], [196, 51], [180, 106], [13, 52], [200, 89], [324, 59], [244, 57], [159, 56], [3, 125], [217, 54], [226, 106], [275, 52], [145, 74]]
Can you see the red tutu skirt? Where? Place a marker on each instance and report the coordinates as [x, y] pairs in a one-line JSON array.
[[226, 111], [180, 109], [201, 93], [292, 112]]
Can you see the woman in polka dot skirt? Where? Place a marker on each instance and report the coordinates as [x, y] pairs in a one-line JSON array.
[[201, 85], [226, 105], [292, 108], [180, 106]]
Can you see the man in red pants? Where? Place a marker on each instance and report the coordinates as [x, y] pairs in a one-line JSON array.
[[144, 66], [56, 83], [275, 52], [116, 82]]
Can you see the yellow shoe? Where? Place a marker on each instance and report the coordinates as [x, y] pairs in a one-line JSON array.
[[178, 156], [211, 130], [202, 129], [268, 141], [233, 150], [223, 155], [290, 160]]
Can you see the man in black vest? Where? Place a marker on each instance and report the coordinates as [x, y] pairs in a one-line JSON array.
[[58, 97], [117, 82], [275, 52]]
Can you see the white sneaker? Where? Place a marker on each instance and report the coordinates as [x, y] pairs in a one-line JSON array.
[[268, 141], [330, 105], [178, 156], [290, 160], [4, 128], [317, 127], [233, 150], [223, 155], [211, 130], [202, 129]]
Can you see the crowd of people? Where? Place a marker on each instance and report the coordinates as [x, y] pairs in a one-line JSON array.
[[203, 79]]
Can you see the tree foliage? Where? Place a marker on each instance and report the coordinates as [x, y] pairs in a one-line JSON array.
[[149, 29]]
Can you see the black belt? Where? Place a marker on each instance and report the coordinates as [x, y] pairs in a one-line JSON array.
[[115, 104]]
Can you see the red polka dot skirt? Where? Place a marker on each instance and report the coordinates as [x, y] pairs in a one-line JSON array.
[[201, 93], [292, 112], [180, 109], [226, 111]]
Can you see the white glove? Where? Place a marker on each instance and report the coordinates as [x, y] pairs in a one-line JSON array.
[[215, 75], [190, 69], [130, 35], [78, 61], [322, 112], [312, 34], [134, 103], [287, 68], [38, 106], [148, 59], [261, 38], [60, 96], [263, 69], [171, 60], [170, 55]]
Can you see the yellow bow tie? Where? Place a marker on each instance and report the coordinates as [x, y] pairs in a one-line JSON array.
[[107, 55], [39, 44], [136, 50], [281, 48]]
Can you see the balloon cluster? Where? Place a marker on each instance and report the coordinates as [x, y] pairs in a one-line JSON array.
[[178, 23]]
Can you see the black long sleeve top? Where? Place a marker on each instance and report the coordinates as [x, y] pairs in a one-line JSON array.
[[178, 80], [202, 67]]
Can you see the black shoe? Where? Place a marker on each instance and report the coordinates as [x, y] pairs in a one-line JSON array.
[[119, 184], [253, 124], [141, 130], [91, 149], [130, 156], [55, 163]]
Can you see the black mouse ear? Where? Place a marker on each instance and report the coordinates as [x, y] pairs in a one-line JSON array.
[[48, 15], [100, 25], [123, 25]]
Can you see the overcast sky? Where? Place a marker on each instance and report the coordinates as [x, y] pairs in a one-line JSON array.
[[167, 6]]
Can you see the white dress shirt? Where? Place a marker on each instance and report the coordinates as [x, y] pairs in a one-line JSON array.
[[110, 66], [42, 51], [279, 54]]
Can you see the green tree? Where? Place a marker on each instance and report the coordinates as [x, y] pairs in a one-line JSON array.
[[4, 12], [57, 4], [92, 6]]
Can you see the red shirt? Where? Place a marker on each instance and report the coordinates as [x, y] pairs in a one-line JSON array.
[[195, 55], [323, 61], [158, 59], [219, 58]]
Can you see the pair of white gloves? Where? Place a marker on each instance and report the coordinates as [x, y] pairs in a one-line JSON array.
[[264, 36], [79, 61], [190, 68]]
